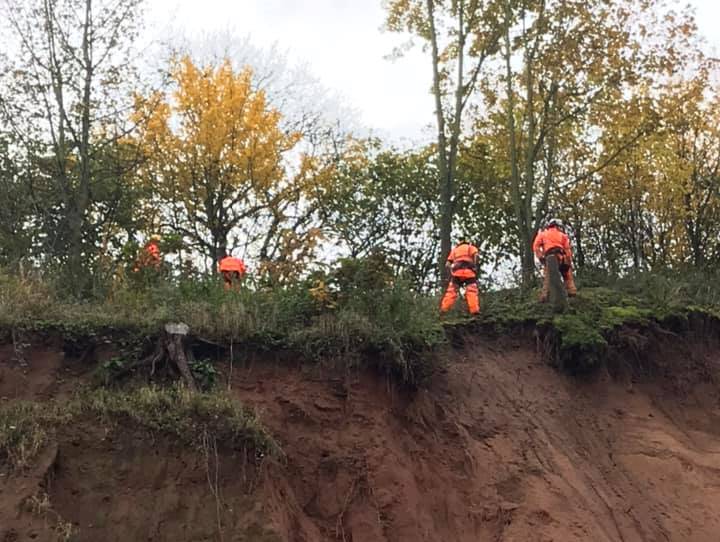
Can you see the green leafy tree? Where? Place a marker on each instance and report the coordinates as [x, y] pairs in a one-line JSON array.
[[17, 219], [65, 98], [383, 201], [657, 205], [560, 58]]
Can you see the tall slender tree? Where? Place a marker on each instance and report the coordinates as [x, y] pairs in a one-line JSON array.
[[462, 35]]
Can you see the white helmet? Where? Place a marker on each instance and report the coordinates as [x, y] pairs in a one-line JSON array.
[[555, 223]]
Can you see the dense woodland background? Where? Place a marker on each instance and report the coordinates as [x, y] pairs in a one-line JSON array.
[[602, 112]]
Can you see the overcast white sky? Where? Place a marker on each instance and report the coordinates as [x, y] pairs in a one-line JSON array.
[[343, 44]]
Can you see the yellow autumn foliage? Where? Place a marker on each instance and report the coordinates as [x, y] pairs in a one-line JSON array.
[[215, 152]]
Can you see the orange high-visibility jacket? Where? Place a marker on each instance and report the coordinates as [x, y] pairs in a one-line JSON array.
[[149, 257], [551, 238], [153, 249], [228, 263], [462, 261]]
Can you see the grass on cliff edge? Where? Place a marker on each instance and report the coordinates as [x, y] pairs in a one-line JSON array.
[[583, 333], [611, 302], [354, 313], [27, 426], [347, 316]]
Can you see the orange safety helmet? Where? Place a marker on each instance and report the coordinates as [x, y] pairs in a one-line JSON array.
[[230, 264]]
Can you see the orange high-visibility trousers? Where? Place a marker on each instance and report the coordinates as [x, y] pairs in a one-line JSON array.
[[472, 295], [568, 279]]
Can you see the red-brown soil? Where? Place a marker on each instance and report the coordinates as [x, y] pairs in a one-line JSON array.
[[497, 447]]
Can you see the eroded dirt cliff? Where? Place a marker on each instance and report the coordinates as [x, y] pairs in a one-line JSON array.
[[497, 446]]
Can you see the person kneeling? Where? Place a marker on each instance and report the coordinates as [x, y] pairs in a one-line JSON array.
[[232, 270]]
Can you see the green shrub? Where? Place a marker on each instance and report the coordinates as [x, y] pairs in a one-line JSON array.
[[109, 370], [357, 311], [617, 316], [582, 346], [205, 373], [507, 309], [21, 435], [24, 299]]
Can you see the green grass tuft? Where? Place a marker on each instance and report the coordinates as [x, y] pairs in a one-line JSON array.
[[26, 427], [24, 431], [180, 413]]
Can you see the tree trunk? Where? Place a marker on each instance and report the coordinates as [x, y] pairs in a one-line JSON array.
[[77, 215], [445, 174], [83, 195], [446, 220], [220, 252], [579, 246], [527, 258], [75, 250], [219, 247], [693, 233], [515, 178]]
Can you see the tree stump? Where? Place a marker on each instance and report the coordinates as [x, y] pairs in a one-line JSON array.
[[175, 344], [171, 351]]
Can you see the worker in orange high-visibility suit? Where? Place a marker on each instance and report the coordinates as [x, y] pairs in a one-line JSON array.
[[554, 240], [462, 265], [149, 257], [232, 270]]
